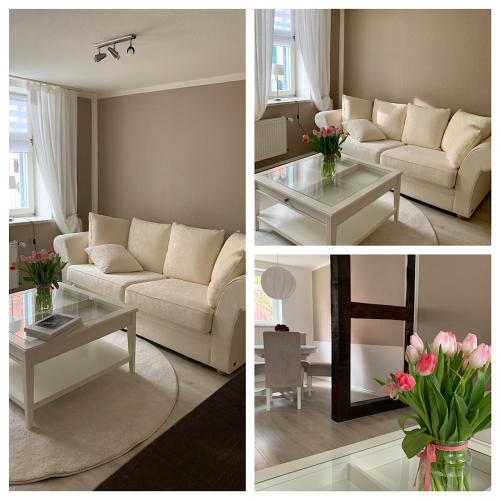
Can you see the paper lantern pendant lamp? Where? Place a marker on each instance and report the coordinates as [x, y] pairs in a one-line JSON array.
[[278, 283]]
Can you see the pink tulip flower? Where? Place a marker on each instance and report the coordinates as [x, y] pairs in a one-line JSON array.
[[412, 355], [391, 390], [469, 344], [12, 266], [447, 341], [404, 381], [417, 343], [426, 364], [305, 138], [315, 132], [479, 357]]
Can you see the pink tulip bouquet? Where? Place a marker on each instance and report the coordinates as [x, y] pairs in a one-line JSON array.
[[446, 388], [327, 140], [42, 268]]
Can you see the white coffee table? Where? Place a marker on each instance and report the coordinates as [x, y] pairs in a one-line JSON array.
[[43, 371], [307, 209], [377, 464]]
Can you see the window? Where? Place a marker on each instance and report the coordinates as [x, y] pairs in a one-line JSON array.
[[267, 310], [21, 184], [283, 53]]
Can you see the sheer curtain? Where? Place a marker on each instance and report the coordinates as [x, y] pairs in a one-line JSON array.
[[52, 113], [313, 37], [264, 22]]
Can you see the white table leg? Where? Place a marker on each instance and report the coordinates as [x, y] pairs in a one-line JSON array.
[[257, 210], [331, 232], [29, 393], [268, 398], [131, 344], [397, 192], [299, 398]]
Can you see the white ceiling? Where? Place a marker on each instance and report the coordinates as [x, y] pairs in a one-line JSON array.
[[304, 261], [172, 46]]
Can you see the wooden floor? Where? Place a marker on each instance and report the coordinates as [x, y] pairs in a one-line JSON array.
[[196, 383], [285, 433]]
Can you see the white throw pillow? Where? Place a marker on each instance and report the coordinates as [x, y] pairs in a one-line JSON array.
[[229, 265], [424, 127], [148, 242], [389, 117], [112, 258], [363, 130], [192, 253], [104, 229], [354, 108], [466, 140], [459, 121]]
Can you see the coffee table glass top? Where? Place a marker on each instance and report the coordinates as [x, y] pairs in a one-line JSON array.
[[383, 467], [65, 299], [304, 176]]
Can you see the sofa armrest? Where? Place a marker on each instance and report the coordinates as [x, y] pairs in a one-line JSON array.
[[473, 179], [228, 328], [71, 248], [329, 118]]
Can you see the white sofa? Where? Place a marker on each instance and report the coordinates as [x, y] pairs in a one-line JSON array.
[[189, 317], [422, 150]]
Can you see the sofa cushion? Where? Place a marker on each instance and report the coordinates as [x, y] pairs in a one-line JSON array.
[[425, 126], [148, 242], [459, 121], [104, 229], [192, 253], [113, 258], [354, 108], [90, 277], [465, 141], [363, 130], [389, 117], [180, 302], [368, 151], [421, 163]]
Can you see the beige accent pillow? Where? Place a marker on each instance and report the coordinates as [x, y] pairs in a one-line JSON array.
[[466, 140], [232, 266], [459, 121], [354, 108], [104, 229], [425, 127], [192, 253], [389, 117], [148, 242], [112, 258], [363, 130]]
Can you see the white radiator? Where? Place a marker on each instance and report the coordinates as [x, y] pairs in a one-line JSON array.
[[270, 138], [13, 257]]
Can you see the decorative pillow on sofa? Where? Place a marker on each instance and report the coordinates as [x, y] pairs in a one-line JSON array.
[[459, 121], [389, 117], [363, 130], [104, 229], [112, 258], [229, 265], [148, 243], [466, 140], [192, 253], [354, 108], [425, 126]]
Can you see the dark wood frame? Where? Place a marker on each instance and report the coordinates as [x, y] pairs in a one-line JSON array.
[[343, 310]]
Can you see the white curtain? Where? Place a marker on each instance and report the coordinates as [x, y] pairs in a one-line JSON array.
[[52, 113], [313, 38], [264, 23]]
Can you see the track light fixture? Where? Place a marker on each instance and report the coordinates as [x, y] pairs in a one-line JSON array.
[[111, 45]]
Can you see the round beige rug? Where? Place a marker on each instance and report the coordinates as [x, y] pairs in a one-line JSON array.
[[96, 423]]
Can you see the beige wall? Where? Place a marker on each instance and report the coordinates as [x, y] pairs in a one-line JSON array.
[[440, 57], [455, 294], [175, 155], [321, 302]]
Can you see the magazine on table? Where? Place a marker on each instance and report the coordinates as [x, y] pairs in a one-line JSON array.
[[52, 326]]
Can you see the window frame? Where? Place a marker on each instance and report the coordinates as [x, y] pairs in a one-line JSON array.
[[287, 40], [30, 210], [277, 309]]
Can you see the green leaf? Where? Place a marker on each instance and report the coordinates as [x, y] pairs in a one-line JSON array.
[[415, 441], [477, 393], [465, 429], [402, 421], [379, 381]]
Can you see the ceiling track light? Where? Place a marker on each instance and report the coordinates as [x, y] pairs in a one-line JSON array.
[[111, 45]]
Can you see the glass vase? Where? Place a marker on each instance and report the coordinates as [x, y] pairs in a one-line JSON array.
[[43, 298], [450, 472], [328, 166]]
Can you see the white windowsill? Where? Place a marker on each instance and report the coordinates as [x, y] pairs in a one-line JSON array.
[[287, 100], [32, 219]]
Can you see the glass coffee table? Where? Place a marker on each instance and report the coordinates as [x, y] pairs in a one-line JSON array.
[[43, 371], [307, 209], [377, 464]]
